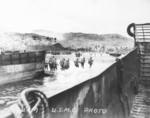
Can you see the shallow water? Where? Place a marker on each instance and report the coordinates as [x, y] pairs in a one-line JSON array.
[[59, 82]]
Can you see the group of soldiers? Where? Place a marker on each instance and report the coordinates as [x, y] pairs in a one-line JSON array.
[[82, 62], [52, 62], [65, 63]]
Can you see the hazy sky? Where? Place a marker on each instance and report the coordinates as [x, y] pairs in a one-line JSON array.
[[89, 16]]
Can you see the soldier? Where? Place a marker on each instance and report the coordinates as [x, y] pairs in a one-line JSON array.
[[82, 62], [67, 63], [55, 64], [46, 64], [50, 63], [62, 62], [90, 61]]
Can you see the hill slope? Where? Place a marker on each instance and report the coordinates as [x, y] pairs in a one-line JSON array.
[[24, 41], [49, 34], [79, 40], [45, 41]]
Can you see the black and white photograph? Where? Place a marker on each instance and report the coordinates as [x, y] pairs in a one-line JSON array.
[[74, 58]]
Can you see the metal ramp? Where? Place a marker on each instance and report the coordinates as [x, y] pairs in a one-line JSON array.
[[141, 35], [144, 62], [141, 102]]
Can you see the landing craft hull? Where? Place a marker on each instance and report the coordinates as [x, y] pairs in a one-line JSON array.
[[19, 72], [18, 66]]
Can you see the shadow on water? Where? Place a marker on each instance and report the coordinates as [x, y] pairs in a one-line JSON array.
[[49, 78], [14, 89], [9, 93]]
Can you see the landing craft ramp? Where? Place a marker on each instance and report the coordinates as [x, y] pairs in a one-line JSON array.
[[142, 42], [141, 102]]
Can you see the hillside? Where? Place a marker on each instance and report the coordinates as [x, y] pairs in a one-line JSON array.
[[79, 40], [49, 34], [45, 41], [24, 41]]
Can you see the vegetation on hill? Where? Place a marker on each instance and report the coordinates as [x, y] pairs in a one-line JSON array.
[[95, 42], [24, 41], [86, 40], [66, 41]]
